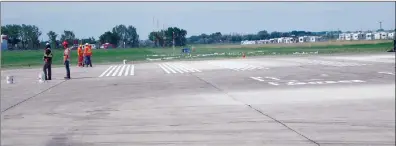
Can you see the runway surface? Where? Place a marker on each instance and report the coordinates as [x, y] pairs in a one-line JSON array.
[[277, 101]]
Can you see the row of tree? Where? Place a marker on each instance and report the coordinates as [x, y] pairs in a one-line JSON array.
[[27, 37]]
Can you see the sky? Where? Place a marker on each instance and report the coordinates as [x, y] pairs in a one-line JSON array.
[[91, 19]]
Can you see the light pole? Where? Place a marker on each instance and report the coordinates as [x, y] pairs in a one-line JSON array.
[[173, 42]]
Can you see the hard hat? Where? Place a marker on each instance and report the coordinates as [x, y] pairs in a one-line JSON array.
[[80, 46], [47, 44], [86, 43]]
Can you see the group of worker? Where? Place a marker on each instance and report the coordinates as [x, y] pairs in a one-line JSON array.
[[84, 54]]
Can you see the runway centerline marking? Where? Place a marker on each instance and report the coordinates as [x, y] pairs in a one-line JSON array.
[[388, 73]]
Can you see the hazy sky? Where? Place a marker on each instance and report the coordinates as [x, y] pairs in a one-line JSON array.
[[87, 19]]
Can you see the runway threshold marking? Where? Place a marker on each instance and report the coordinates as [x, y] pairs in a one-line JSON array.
[[118, 70], [169, 68]]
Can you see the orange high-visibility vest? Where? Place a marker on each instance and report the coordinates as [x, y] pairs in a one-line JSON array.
[[88, 50], [80, 51]]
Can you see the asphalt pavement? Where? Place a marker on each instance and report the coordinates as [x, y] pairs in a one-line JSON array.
[[279, 101]]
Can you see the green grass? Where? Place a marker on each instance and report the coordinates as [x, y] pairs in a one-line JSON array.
[[14, 59]]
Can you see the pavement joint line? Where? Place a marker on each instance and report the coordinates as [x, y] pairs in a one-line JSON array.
[[31, 97], [251, 107]]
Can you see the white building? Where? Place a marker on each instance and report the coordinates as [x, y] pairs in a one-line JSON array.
[[384, 35], [391, 35], [303, 39], [4, 42], [280, 40], [348, 36], [369, 36], [289, 40], [357, 36], [377, 36], [246, 42], [341, 36]]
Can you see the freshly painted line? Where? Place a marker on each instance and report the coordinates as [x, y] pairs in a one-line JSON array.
[[183, 68], [330, 82], [273, 83], [106, 71], [344, 81], [191, 68], [169, 68], [358, 81], [116, 71], [187, 68], [132, 70], [127, 70], [163, 68], [108, 74], [273, 78], [257, 78], [122, 70], [388, 73], [179, 67], [174, 67]]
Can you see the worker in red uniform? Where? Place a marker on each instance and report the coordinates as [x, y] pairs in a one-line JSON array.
[[66, 59], [80, 54], [88, 54]]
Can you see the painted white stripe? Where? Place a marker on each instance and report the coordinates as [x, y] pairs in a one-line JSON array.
[[247, 67], [273, 83], [178, 67], [190, 68], [169, 68], [163, 68], [251, 67], [388, 73], [127, 70], [185, 68], [173, 67], [116, 71], [108, 74], [257, 78], [273, 78], [132, 70], [122, 69], [106, 71]]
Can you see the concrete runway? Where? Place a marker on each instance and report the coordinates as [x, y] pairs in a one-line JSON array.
[[278, 101]]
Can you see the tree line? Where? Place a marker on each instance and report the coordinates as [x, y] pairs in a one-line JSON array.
[[27, 37]]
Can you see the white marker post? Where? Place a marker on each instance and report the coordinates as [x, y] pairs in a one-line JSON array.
[[10, 79]]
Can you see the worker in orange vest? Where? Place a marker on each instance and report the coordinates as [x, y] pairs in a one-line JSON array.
[[87, 55], [80, 54]]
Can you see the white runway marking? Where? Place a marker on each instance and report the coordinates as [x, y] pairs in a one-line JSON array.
[[118, 70], [101, 75], [257, 78], [235, 65], [127, 70], [122, 69], [273, 78], [388, 73], [310, 81], [323, 62], [177, 68], [132, 70]]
